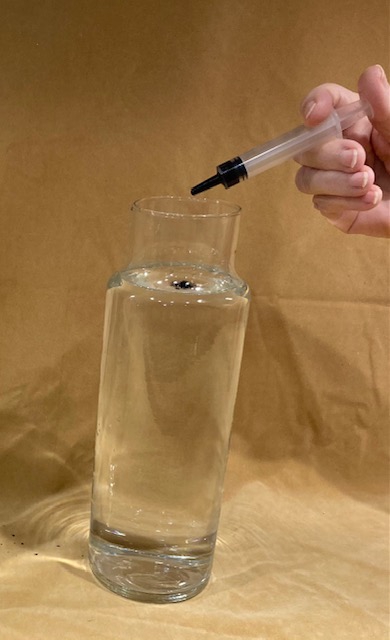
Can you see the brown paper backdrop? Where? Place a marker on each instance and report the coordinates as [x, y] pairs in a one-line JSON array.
[[103, 102]]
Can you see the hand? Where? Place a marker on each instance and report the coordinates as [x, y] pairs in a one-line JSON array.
[[350, 177]]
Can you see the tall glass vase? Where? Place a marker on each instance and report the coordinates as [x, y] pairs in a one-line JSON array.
[[173, 339]]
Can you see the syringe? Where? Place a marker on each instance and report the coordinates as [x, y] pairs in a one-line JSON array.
[[285, 147]]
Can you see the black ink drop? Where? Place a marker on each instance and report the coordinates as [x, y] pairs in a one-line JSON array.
[[183, 284]]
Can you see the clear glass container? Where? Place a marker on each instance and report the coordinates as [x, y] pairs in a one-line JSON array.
[[173, 338]]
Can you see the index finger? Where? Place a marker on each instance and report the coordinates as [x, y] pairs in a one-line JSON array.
[[320, 101]]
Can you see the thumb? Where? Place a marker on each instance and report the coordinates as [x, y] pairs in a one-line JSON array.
[[374, 87]]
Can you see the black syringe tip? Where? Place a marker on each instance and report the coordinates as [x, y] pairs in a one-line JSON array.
[[206, 184]]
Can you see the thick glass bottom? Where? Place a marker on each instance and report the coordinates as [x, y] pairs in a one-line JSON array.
[[161, 574]]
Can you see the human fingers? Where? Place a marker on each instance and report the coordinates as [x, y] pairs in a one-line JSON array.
[[335, 155], [373, 220], [319, 102], [374, 87], [334, 205], [335, 183]]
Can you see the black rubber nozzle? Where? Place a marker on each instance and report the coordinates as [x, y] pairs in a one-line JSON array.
[[228, 174], [206, 184]]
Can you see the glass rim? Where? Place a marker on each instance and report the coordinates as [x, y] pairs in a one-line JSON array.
[[228, 209]]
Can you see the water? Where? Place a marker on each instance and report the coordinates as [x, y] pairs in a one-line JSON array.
[[170, 366]]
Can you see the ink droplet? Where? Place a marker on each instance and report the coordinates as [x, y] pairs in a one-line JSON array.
[[183, 284]]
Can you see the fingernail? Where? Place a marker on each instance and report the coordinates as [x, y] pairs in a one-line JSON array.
[[360, 179], [381, 74], [309, 108], [349, 157], [372, 197]]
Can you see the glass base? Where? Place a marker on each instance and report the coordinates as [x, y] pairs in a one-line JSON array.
[[148, 577]]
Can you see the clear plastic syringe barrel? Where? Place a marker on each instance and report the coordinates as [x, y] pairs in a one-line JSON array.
[[303, 138]]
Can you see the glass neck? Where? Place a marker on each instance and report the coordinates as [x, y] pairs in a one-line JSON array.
[[184, 230]]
